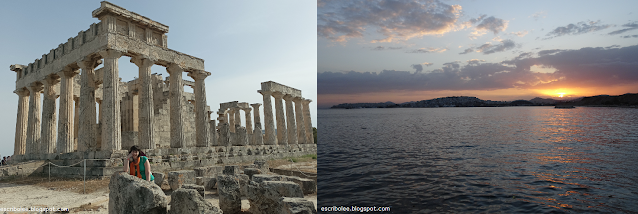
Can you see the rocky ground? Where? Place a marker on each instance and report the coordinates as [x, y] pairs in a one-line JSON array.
[[39, 192]]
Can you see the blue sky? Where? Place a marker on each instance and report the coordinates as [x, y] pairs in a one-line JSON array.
[[243, 44], [377, 51]]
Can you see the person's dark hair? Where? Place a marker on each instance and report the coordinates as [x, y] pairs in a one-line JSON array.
[[135, 148]]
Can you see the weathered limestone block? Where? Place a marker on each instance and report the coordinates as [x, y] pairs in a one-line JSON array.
[[265, 177], [209, 182], [241, 138], [187, 201], [231, 170], [198, 188], [208, 171], [297, 206], [177, 178], [262, 165], [265, 197], [243, 184], [159, 178], [199, 180], [229, 193], [251, 171], [129, 194], [308, 186]]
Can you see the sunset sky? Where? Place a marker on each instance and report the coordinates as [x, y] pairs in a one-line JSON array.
[[399, 51]]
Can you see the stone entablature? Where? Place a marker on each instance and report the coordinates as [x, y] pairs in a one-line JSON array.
[[276, 87], [108, 34]]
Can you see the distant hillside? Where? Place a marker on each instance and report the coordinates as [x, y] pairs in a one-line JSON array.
[[366, 105], [463, 101], [606, 100]]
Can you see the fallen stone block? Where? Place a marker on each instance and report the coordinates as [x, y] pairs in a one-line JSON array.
[[199, 180], [177, 178], [188, 201], [159, 178], [264, 177], [129, 194], [228, 190], [297, 206], [265, 197], [199, 188], [308, 186], [243, 184], [231, 170], [262, 165], [209, 182], [251, 171], [208, 171]]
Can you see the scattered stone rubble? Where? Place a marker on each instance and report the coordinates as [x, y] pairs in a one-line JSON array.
[[188, 201], [129, 194]]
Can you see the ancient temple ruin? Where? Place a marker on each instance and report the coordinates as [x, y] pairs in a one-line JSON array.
[[100, 116]]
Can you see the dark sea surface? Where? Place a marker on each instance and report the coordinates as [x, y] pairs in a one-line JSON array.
[[470, 160]]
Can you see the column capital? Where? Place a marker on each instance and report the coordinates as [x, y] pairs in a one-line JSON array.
[[23, 92], [306, 101], [143, 61], [247, 110], [50, 80], [255, 105], [297, 99], [277, 95], [110, 54], [68, 72], [174, 67], [287, 97], [87, 63], [35, 87], [198, 74], [266, 93]]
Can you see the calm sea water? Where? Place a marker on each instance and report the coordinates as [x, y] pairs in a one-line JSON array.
[[509, 159]]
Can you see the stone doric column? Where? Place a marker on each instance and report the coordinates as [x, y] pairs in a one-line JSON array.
[[282, 134], [301, 130], [99, 110], [176, 89], [65, 124], [257, 135], [290, 120], [306, 118], [201, 120], [33, 129], [231, 119], [49, 116], [86, 133], [21, 121], [249, 121], [112, 124], [257, 116], [146, 118], [237, 115], [76, 122], [213, 133], [269, 136]]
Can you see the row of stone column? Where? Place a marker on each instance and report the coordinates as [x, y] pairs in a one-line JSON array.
[[33, 139], [291, 129]]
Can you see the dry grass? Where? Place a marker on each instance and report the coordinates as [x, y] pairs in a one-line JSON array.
[[306, 163], [62, 184]]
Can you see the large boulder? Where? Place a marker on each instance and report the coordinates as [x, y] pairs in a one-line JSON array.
[[177, 178], [159, 178], [265, 197], [129, 194], [229, 193], [188, 201], [308, 186], [297, 206], [265, 177], [198, 188]]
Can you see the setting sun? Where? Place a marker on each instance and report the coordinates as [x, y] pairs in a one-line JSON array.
[[561, 95]]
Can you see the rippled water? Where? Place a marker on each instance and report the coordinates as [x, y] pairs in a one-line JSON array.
[[509, 159]]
